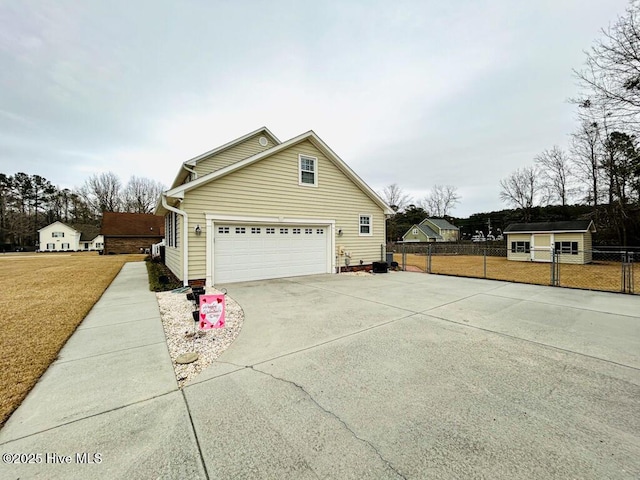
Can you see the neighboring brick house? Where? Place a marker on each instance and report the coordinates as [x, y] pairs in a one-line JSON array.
[[130, 232]]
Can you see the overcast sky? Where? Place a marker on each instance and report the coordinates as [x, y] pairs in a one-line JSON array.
[[409, 92]]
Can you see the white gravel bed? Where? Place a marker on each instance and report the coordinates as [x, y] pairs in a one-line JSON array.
[[179, 327]]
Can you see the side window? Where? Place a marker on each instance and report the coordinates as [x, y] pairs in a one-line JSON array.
[[307, 170], [365, 225]]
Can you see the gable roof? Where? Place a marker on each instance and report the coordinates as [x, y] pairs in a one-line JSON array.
[[441, 223], [179, 191], [183, 173], [428, 231], [566, 226], [58, 222], [118, 224]]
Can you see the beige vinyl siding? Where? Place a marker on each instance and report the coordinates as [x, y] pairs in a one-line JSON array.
[[269, 188], [518, 237], [572, 237], [246, 149], [173, 255]]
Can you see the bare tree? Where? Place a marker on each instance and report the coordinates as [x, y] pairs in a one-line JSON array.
[[521, 189], [555, 175], [611, 77], [395, 197], [441, 200], [586, 150], [102, 192], [141, 194]]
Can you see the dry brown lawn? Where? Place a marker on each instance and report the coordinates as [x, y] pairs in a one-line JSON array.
[[43, 298], [595, 276]]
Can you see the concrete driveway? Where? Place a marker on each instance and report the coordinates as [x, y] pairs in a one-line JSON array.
[[397, 375], [417, 376]]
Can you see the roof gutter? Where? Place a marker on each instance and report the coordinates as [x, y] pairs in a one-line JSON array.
[[185, 238]]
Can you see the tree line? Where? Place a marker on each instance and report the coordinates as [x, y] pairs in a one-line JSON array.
[[600, 166], [30, 202]]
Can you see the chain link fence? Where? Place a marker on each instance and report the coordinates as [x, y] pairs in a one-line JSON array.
[[612, 270]]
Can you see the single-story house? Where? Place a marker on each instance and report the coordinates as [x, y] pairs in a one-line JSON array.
[[61, 237], [571, 241], [432, 230], [258, 208], [130, 232]]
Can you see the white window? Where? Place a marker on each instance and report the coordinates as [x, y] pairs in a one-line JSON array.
[[296, 231], [241, 230], [171, 229], [308, 171], [255, 229], [415, 231], [99, 245], [365, 225], [51, 246], [270, 230], [223, 229], [308, 231], [57, 234], [284, 231], [65, 246], [320, 231]]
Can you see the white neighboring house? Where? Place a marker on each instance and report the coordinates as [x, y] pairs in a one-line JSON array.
[[60, 237]]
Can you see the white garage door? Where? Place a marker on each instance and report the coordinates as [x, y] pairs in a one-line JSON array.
[[257, 252]]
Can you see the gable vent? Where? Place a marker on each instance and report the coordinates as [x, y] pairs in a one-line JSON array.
[[262, 141]]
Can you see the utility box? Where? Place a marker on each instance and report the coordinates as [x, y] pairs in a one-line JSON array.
[[389, 258]]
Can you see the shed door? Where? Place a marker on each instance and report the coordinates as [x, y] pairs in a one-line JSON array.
[[541, 249], [258, 252]]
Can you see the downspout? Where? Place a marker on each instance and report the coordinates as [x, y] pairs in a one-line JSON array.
[[184, 165], [185, 238]]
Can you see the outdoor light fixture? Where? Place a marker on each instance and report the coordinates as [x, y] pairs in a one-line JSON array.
[[340, 232], [198, 230]]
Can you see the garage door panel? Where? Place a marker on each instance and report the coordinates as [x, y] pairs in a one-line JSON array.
[[243, 253]]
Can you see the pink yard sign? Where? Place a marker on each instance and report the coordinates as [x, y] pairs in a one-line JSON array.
[[211, 312]]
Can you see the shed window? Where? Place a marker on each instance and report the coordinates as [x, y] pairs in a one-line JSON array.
[[520, 247], [567, 247]]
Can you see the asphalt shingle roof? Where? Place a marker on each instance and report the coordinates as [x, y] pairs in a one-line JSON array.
[[567, 226], [117, 224]]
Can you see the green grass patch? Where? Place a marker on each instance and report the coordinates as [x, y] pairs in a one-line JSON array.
[[161, 279]]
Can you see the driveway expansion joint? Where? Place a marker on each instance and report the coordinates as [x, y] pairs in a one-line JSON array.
[[330, 413]]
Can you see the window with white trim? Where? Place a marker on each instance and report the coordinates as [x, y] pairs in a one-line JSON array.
[[51, 246], [320, 231], [296, 231], [365, 225], [284, 231], [57, 234], [570, 248], [308, 174], [520, 247], [171, 229], [270, 230], [223, 229], [241, 230], [308, 231], [255, 229], [65, 246], [415, 231]]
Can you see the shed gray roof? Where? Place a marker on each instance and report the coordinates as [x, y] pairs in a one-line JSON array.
[[567, 226], [430, 233], [441, 223]]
